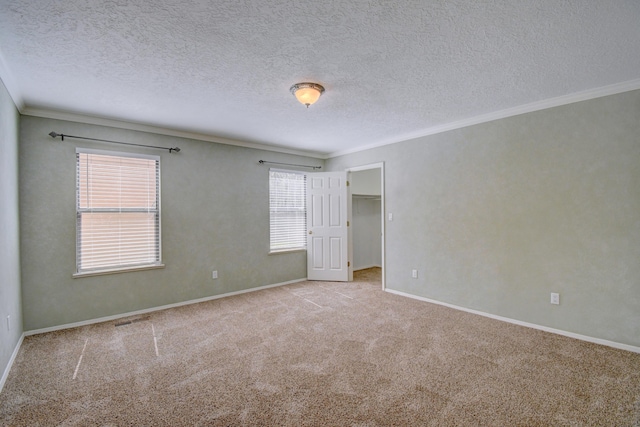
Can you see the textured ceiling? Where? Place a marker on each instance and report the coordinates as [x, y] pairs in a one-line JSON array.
[[392, 70]]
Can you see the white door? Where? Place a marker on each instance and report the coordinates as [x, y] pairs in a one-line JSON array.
[[328, 219]]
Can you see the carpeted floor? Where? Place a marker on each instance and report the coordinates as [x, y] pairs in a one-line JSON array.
[[318, 354]]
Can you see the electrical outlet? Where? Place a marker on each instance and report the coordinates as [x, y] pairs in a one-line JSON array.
[[214, 274], [390, 216], [555, 298], [414, 274], [8, 322]]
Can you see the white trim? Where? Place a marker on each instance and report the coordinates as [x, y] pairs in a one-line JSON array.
[[159, 308], [594, 340], [5, 374], [287, 251], [121, 124], [483, 118], [91, 273], [502, 114], [379, 165]]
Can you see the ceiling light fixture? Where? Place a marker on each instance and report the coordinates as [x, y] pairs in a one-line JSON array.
[[307, 93]]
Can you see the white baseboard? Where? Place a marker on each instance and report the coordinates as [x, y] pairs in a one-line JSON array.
[[5, 374], [152, 309], [521, 323]]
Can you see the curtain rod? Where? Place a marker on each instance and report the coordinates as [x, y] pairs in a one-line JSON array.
[[288, 164], [171, 150]]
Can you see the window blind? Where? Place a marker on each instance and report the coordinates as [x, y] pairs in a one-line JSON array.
[[287, 210], [117, 210]]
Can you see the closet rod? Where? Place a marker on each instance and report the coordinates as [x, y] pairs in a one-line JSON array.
[[55, 134], [289, 164]]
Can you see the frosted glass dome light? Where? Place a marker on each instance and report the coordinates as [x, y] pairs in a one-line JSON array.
[[307, 93]]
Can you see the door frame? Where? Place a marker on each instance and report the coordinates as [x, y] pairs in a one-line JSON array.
[[379, 165]]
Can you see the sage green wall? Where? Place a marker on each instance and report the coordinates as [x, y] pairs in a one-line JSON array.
[[215, 215], [497, 216], [10, 304]]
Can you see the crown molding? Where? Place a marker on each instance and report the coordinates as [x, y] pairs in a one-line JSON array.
[[502, 114], [483, 118], [120, 124]]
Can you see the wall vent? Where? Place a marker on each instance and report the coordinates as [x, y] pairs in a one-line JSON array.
[[128, 322]]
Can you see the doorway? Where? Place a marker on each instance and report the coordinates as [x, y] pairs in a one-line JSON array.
[[367, 215]]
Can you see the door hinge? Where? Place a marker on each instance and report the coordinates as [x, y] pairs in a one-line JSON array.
[[348, 263], [347, 183], [347, 223]]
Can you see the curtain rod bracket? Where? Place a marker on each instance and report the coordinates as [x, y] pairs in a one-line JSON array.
[[55, 134]]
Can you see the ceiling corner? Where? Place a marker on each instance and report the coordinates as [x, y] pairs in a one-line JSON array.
[[10, 83]]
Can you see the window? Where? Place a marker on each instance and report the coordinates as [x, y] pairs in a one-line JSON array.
[[117, 211], [287, 210]]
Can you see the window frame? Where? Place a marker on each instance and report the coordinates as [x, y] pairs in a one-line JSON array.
[[302, 247], [121, 268]]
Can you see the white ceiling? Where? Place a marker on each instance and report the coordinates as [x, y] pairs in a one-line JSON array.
[[392, 70]]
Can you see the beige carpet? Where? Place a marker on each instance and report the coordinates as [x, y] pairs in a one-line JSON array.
[[318, 354]]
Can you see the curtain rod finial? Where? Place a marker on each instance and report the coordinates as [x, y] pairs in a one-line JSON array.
[[54, 134]]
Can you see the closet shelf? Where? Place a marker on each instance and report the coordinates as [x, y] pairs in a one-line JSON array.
[[366, 196]]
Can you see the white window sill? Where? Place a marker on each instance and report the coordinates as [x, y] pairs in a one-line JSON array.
[[287, 251], [117, 270]]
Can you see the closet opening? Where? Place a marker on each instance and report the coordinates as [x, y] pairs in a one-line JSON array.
[[367, 217]]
